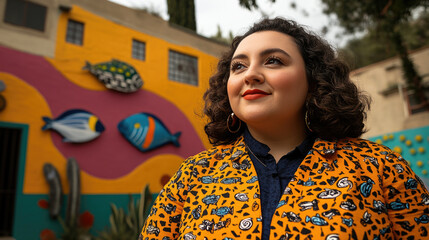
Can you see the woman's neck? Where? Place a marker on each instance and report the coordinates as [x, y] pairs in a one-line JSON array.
[[280, 140]]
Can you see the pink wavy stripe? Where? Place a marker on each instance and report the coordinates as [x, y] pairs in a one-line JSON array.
[[110, 155]]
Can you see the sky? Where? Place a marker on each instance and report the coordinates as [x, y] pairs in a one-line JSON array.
[[231, 17]]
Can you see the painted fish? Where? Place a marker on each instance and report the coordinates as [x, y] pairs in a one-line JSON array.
[[75, 125], [146, 132], [116, 75]]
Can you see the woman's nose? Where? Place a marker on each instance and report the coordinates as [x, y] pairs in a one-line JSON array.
[[253, 75]]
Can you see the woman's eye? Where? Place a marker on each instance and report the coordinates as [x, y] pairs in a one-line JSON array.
[[273, 60], [236, 66]]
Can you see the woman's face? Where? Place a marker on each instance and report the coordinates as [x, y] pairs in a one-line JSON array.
[[267, 82]]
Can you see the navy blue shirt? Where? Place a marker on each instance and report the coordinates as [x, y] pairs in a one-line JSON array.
[[273, 178]]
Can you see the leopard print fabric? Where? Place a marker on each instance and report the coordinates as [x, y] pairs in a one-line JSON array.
[[350, 189]]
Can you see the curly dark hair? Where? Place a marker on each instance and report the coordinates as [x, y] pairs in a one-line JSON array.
[[335, 107]]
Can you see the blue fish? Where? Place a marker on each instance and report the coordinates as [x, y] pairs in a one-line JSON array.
[[75, 125], [208, 179], [366, 187], [196, 213], [281, 203], [411, 184], [385, 230], [308, 183], [422, 219], [348, 221], [230, 180], [398, 205], [252, 180], [316, 220], [222, 211], [146, 132], [211, 199]]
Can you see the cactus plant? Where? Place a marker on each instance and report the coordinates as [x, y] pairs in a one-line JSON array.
[[128, 226], [71, 228], [73, 204], [55, 189]]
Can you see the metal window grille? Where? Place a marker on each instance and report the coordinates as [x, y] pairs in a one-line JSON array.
[[139, 50], [25, 14], [75, 32], [182, 68], [10, 139], [415, 106]]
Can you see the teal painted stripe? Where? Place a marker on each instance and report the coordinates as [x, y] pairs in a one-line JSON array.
[[31, 219], [419, 161]]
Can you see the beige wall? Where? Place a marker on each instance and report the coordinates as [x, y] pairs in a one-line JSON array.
[[43, 43], [29, 40], [389, 109]]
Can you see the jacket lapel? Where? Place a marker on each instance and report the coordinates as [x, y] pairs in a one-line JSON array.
[[319, 159]]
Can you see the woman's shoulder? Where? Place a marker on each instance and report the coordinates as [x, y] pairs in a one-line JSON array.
[[360, 144], [368, 150], [216, 153]]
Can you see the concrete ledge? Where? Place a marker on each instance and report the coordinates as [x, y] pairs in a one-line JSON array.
[[417, 120]]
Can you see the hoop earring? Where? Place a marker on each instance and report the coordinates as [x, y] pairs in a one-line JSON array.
[[307, 122], [234, 120]]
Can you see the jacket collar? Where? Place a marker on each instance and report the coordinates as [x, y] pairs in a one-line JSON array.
[[237, 149]]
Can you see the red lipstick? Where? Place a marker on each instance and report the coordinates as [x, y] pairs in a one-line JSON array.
[[252, 94]]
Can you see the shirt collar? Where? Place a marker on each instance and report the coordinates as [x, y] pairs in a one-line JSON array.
[[262, 150]]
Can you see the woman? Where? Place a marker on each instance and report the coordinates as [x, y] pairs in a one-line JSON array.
[[287, 163]]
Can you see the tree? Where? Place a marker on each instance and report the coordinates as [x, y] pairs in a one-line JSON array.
[[182, 13], [368, 49], [385, 16], [220, 38]]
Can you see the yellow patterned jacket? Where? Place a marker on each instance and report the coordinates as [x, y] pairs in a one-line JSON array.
[[349, 189]]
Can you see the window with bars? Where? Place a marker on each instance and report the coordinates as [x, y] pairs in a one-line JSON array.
[[10, 139], [182, 68], [139, 50], [25, 14], [75, 32], [414, 103]]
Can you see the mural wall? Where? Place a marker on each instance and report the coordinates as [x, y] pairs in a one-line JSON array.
[[124, 140], [413, 145]]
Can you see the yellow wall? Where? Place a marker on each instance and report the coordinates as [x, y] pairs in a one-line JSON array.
[[104, 40]]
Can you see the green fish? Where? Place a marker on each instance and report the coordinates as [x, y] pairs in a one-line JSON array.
[[116, 75]]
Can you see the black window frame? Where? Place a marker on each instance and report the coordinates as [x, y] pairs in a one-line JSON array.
[[138, 50], [26, 14], [176, 74], [72, 36]]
